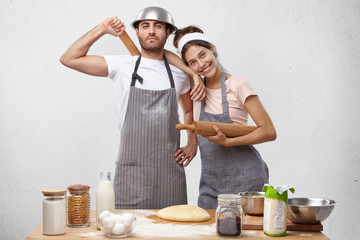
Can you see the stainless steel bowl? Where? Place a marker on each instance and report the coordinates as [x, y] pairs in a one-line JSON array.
[[155, 13], [252, 202], [309, 210]]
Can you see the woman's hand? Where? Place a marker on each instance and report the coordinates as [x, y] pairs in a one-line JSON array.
[[219, 138], [198, 91]]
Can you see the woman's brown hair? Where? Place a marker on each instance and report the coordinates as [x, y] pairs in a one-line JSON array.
[[183, 31]]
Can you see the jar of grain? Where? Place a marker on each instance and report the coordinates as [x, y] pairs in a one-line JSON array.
[[228, 215], [78, 206], [54, 212]]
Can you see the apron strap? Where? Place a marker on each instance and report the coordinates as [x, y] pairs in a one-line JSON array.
[[169, 72], [224, 103], [135, 76]]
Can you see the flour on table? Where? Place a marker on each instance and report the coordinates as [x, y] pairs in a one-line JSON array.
[[145, 227]]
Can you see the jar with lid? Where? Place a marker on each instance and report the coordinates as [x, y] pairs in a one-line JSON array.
[[54, 212], [228, 215], [78, 206]]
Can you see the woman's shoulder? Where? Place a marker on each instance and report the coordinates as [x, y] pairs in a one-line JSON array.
[[235, 82]]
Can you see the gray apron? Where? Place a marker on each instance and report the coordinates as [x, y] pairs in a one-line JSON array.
[[227, 169], [147, 175]]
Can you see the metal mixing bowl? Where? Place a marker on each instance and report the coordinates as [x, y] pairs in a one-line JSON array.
[[252, 202], [309, 210]]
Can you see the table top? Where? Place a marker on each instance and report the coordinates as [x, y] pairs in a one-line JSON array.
[[149, 226]]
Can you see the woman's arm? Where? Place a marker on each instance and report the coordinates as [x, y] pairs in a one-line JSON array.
[[198, 88], [264, 133]]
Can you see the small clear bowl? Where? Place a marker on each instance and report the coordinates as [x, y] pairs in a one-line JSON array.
[[128, 229]]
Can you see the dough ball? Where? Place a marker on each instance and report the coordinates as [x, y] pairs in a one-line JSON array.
[[184, 213]]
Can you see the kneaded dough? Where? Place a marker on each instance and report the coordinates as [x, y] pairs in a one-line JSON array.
[[184, 213]]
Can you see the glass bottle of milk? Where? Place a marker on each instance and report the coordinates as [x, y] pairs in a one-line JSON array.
[[105, 196]]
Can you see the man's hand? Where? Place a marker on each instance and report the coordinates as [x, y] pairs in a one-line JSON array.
[[198, 91], [114, 26], [185, 154]]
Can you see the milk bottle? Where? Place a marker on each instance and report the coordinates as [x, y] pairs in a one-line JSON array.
[[105, 196]]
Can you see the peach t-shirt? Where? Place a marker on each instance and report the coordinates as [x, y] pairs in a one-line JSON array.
[[237, 90]]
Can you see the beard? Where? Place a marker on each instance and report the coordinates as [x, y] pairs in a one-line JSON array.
[[152, 47]]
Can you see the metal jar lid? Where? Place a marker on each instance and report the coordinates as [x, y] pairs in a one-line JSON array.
[[229, 199], [155, 13]]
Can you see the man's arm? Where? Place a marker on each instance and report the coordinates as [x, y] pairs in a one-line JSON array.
[[185, 154], [76, 56], [198, 88]]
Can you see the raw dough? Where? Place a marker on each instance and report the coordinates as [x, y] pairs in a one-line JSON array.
[[184, 213]]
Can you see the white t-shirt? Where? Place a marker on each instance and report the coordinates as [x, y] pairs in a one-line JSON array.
[[121, 68]]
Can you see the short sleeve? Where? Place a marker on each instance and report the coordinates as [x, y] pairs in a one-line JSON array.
[[242, 88], [113, 63]]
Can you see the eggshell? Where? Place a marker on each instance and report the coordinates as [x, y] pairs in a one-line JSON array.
[[103, 215], [106, 230], [118, 229], [127, 217], [118, 218], [108, 222]]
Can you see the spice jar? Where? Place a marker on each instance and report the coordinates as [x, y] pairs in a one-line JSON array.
[[228, 215], [78, 206], [54, 212]]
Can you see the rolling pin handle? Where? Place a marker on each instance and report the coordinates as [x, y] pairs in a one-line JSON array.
[[129, 44], [185, 127]]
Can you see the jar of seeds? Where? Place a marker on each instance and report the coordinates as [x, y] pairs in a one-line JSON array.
[[78, 206]]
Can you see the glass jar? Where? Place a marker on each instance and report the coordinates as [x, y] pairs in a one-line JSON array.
[[54, 212], [78, 206], [228, 215], [105, 196]]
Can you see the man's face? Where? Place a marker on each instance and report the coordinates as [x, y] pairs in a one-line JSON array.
[[152, 35]]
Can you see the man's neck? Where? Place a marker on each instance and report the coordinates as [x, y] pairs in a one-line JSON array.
[[152, 55]]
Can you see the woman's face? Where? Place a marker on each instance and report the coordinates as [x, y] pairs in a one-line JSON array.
[[201, 60]]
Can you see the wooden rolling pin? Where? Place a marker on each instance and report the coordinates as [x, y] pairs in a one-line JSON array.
[[206, 128], [129, 44]]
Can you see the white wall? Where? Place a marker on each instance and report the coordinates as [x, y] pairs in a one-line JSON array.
[[58, 127]]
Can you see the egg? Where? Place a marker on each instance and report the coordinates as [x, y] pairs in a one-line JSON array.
[[103, 215], [118, 218], [118, 229], [108, 222], [106, 230], [127, 217]]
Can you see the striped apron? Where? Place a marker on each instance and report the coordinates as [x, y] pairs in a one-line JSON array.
[[147, 175], [227, 169]]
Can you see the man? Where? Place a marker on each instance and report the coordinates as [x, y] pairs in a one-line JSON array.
[[147, 89]]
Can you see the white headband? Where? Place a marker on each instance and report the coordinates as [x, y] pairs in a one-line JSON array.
[[192, 36]]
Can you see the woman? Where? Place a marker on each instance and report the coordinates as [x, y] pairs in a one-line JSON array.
[[229, 165]]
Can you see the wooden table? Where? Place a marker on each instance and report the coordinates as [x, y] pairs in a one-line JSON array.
[[149, 226]]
